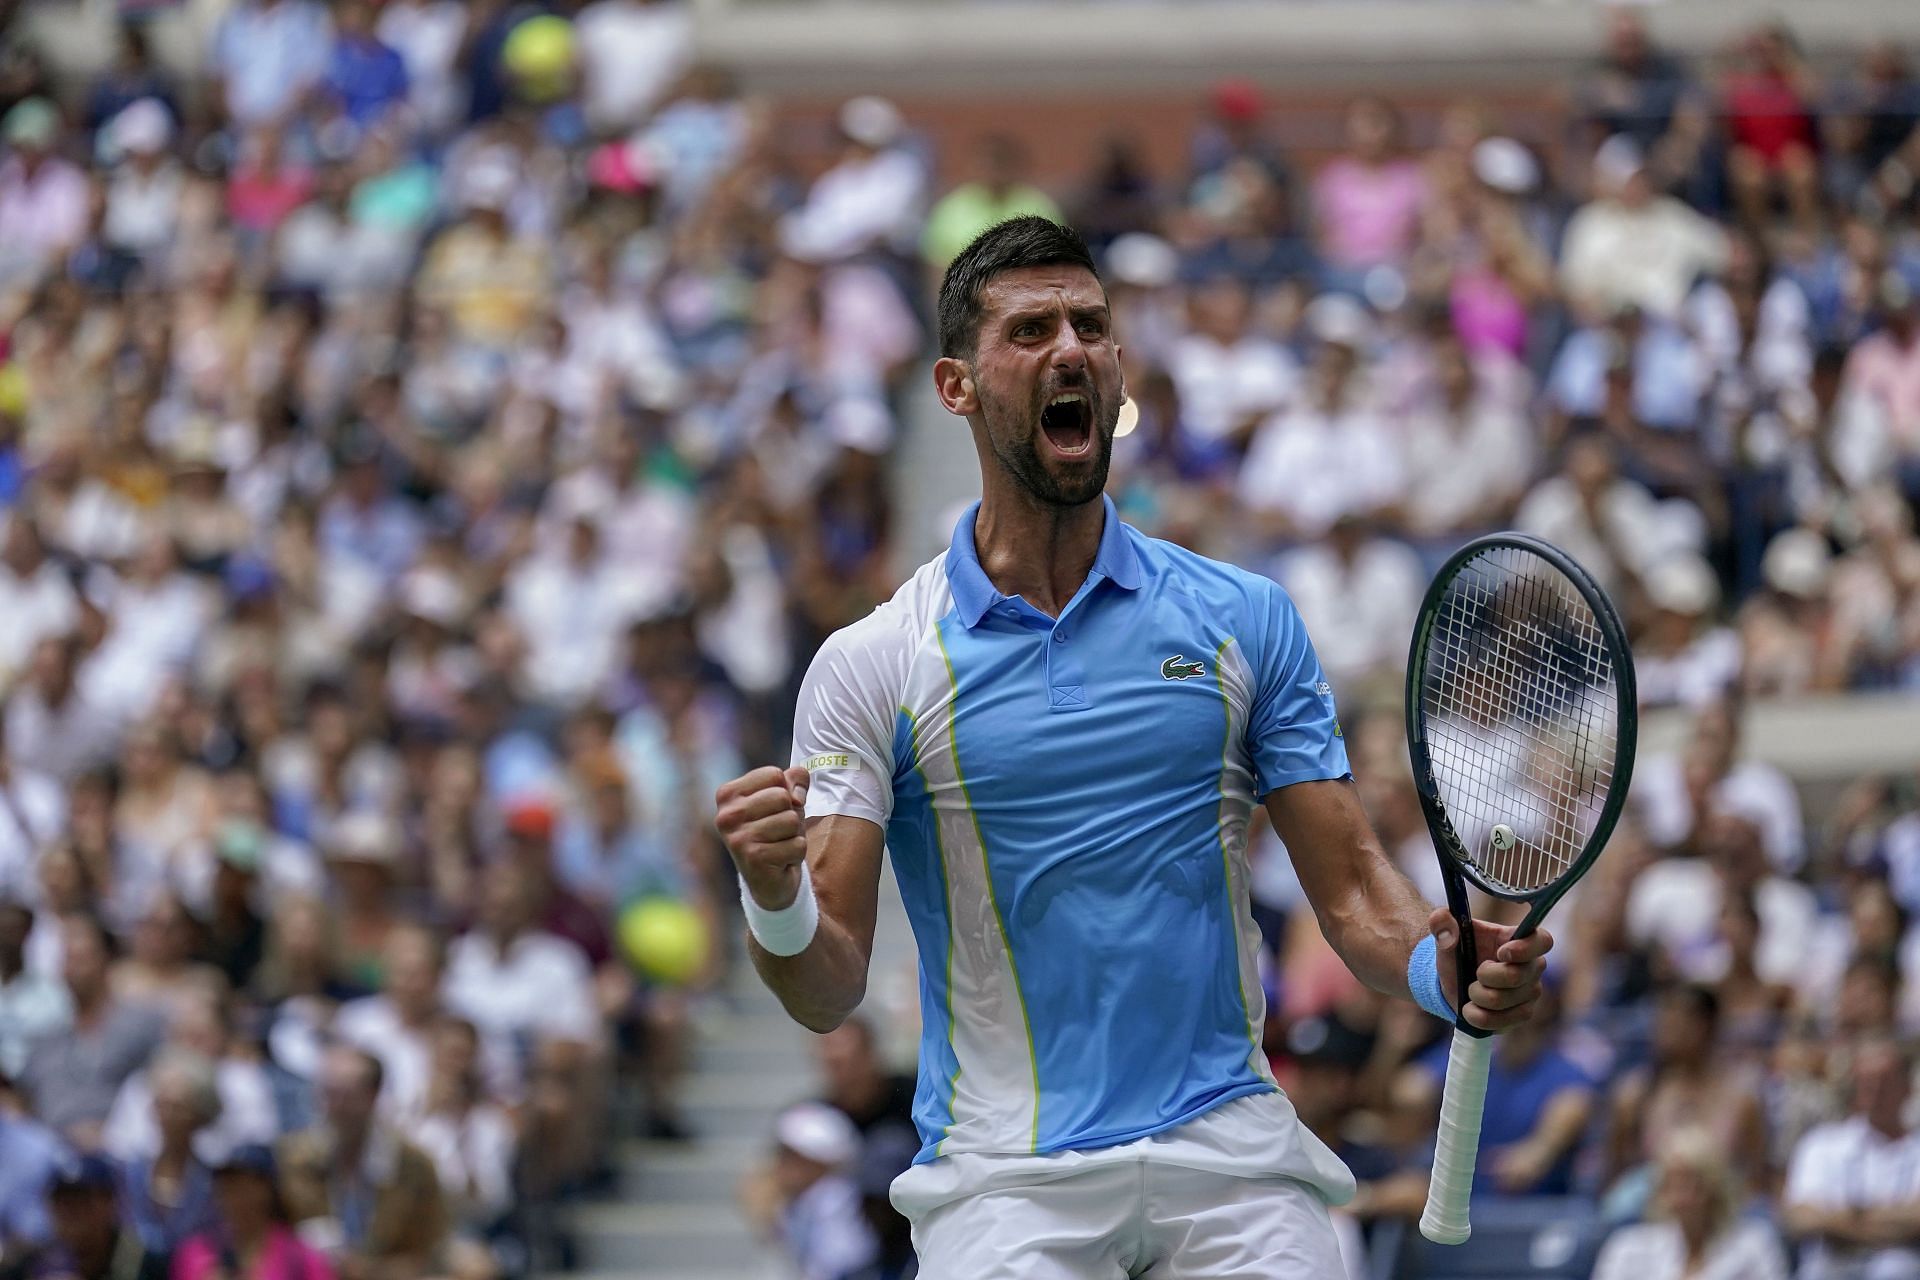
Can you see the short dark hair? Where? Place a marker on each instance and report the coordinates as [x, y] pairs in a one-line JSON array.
[[1026, 241]]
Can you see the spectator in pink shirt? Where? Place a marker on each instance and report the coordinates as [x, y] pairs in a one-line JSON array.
[[253, 1240], [1367, 202], [44, 200], [1882, 377]]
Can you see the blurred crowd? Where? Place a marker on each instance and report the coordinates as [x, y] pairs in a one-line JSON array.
[[434, 436]]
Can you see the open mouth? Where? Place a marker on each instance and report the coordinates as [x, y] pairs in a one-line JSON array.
[[1068, 423]]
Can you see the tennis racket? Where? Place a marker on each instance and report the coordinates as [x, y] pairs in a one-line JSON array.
[[1521, 720]]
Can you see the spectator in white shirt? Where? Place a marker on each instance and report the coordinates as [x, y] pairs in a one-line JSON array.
[[1676, 791], [870, 199], [1694, 1231], [36, 597], [471, 1140], [143, 196], [1852, 1184], [512, 980], [1228, 377], [1683, 655], [1631, 246], [1471, 448], [33, 814], [1329, 452], [804, 1200], [1611, 525], [630, 53], [1358, 595], [570, 605], [45, 202], [54, 721]]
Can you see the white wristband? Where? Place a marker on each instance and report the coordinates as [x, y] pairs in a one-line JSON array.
[[790, 930]]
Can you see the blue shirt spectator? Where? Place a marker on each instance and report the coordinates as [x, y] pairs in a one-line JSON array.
[[1538, 1103], [29, 1156], [368, 78], [268, 54]]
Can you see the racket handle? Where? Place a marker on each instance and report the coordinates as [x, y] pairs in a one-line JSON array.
[[1445, 1218]]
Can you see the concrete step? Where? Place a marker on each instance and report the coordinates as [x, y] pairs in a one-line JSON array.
[[681, 1173], [658, 1239]]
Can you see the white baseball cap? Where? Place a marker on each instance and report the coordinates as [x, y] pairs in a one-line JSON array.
[[818, 1132]]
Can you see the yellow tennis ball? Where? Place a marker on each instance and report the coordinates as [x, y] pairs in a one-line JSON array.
[[665, 939], [539, 55]]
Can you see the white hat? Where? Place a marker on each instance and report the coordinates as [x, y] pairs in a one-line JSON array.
[[433, 595], [818, 1132], [364, 836], [1143, 260], [1796, 563], [1683, 584], [1339, 319], [1617, 160], [859, 422], [142, 128], [1505, 165], [870, 121], [489, 181]]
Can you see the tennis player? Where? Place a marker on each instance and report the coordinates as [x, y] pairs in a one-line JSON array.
[[1060, 727]]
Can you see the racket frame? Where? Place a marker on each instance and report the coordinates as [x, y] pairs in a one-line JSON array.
[[1457, 868], [1445, 1219]]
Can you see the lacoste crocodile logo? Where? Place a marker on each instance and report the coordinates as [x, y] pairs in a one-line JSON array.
[[1178, 668]]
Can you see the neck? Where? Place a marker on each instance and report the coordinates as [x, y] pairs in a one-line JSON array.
[[1036, 550], [1887, 1126]]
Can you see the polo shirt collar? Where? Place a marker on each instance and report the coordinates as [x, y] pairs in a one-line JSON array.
[[974, 593]]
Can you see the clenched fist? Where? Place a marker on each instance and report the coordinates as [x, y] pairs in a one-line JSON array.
[[762, 817]]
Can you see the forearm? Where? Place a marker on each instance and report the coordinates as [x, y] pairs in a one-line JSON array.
[[1376, 922], [820, 986]]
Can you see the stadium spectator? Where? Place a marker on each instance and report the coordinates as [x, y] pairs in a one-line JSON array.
[[473, 1144], [44, 197], [1686, 1086], [1539, 1102], [91, 1239], [1631, 246], [254, 1236], [33, 1005], [1635, 90], [30, 1158], [73, 1076], [1359, 592], [167, 1188], [1367, 201], [857, 1081], [1849, 1177], [1000, 191], [354, 1181], [883, 1158], [1695, 1228], [804, 1199], [1770, 99]]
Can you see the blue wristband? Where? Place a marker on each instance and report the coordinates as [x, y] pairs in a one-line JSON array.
[[1423, 979]]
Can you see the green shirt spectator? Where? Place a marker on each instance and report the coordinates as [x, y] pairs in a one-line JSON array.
[[972, 207]]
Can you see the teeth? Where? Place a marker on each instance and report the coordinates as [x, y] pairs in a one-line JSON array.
[[1068, 397]]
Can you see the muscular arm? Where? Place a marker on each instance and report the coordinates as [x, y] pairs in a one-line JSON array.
[[1369, 912], [826, 982], [1373, 917]]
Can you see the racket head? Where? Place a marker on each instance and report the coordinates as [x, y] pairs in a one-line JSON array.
[[1522, 714]]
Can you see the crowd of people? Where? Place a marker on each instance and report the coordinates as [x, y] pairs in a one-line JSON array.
[[435, 435]]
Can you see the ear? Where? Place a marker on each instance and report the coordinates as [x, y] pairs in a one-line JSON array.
[[953, 380]]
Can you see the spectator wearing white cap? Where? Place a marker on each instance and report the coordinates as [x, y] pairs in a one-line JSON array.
[[804, 1200], [1682, 655], [1789, 645], [1328, 452], [143, 195], [869, 199], [1631, 245]]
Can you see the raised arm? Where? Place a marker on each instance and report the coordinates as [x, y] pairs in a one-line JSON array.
[[1373, 917], [760, 818]]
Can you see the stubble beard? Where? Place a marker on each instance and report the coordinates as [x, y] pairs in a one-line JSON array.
[[1018, 450]]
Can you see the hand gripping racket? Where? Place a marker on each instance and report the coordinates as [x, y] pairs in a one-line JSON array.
[[1521, 720]]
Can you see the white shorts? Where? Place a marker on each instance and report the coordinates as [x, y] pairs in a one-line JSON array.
[[1164, 1208]]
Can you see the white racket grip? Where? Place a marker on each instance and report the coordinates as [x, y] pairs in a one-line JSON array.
[[1445, 1218]]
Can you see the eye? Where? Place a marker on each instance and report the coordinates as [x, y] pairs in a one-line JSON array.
[[1026, 329], [1091, 328]]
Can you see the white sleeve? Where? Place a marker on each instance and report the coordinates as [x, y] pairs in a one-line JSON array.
[[1811, 1175], [843, 725]]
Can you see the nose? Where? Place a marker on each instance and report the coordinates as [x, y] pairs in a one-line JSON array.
[[1069, 353]]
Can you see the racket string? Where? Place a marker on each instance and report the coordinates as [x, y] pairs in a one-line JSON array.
[[1523, 713]]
